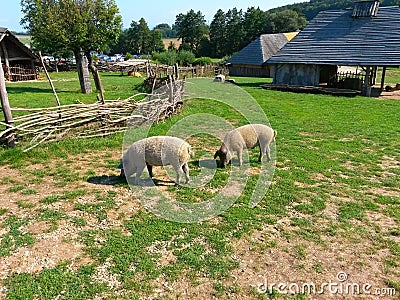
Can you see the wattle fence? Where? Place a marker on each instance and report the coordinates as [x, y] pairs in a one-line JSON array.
[[39, 125]]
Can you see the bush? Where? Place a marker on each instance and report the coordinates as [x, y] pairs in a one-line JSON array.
[[166, 58], [128, 56], [171, 57], [202, 61], [185, 58]]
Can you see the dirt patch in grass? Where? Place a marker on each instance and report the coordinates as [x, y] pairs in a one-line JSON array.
[[56, 237], [389, 162], [48, 250], [394, 95], [383, 191], [295, 261]]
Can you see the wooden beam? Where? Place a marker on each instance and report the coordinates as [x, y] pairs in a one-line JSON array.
[[20, 58], [6, 61], [6, 107], [367, 85], [383, 78]]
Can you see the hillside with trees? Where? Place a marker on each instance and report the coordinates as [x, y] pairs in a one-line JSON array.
[[313, 7]]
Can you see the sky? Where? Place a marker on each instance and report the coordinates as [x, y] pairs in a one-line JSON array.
[[154, 11]]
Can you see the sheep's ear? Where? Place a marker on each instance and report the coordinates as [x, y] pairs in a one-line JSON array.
[[217, 154]]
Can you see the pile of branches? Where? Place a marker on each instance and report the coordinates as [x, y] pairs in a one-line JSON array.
[[99, 119]]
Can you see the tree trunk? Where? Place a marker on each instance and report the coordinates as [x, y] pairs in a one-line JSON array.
[[83, 72], [96, 76]]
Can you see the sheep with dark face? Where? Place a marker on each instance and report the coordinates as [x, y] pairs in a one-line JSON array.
[[156, 151], [246, 137]]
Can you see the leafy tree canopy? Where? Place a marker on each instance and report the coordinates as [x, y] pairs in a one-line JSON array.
[[192, 29], [56, 25]]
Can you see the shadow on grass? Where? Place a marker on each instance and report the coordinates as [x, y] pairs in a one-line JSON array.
[[108, 180], [115, 180], [250, 84], [205, 163], [115, 74], [20, 90], [121, 181]]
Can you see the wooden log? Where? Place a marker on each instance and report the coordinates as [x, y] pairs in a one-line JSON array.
[[96, 76], [6, 108], [83, 72]]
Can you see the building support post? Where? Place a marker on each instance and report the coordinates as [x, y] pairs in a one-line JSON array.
[[367, 86], [6, 108], [383, 78]]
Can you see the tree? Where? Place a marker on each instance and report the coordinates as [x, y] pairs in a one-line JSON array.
[[156, 42], [218, 34], [141, 40], [78, 25], [139, 36], [253, 23], [234, 31], [191, 28], [285, 21], [166, 30], [122, 46]]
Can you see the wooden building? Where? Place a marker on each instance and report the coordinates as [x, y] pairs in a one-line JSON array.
[[17, 59], [365, 37], [251, 60]]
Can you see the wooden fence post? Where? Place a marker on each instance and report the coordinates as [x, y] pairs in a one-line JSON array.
[[6, 108]]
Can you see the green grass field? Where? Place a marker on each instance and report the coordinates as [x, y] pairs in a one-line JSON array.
[[71, 229]]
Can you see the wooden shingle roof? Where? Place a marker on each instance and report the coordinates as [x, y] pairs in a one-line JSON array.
[[337, 38], [259, 50]]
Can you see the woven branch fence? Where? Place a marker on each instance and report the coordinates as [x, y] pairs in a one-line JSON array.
[[40, 125]]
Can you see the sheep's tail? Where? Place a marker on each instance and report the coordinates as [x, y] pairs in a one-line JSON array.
[[190, 152]]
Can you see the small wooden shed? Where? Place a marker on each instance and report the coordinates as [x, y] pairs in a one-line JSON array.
[[250, 61], [17, 59]]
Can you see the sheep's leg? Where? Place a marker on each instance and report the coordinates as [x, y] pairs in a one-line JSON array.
[[239, 154], [150, 170], [185, 169], [268, 153], [261, 155], [139, 171], [179, 172], [128, 171], [263, 149]]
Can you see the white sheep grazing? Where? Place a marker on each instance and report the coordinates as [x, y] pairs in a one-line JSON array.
[[246, 137], [156, 151], [219, 78]]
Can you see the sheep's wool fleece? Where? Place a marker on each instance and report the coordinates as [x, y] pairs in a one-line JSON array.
[[160, 150], [248, 135]]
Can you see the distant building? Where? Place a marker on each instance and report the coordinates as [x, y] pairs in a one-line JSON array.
[[17, 59], [251, 60], [365, 37]]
